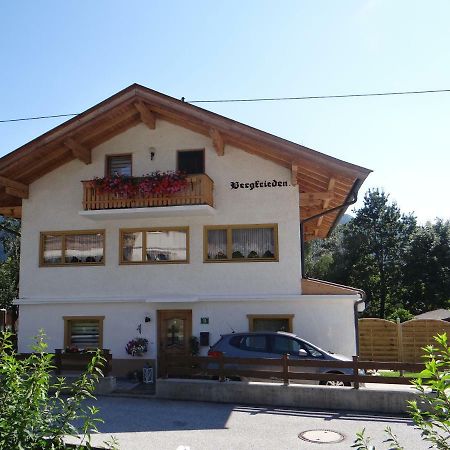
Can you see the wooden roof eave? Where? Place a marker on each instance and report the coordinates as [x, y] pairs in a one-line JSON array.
[[117, 113]]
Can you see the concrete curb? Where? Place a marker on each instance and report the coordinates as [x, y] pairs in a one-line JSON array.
[[294, 395]]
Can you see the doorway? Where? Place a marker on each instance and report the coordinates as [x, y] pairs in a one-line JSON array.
[[174, 333]]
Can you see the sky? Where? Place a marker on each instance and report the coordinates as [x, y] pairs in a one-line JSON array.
[[64, 57]]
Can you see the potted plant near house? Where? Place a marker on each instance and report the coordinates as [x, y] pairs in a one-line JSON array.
[[137, 346]]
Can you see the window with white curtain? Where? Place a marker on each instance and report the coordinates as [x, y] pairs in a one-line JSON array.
[[241, 243], [72, 247], [155, 246]]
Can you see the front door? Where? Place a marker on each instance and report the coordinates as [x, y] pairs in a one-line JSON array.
[[174, 333]]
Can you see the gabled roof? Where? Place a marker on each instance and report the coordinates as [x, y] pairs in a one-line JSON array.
[[324, 181], [440, 314]]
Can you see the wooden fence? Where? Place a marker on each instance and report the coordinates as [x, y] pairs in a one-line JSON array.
[[76, 362], [383, 340], [283, 369]]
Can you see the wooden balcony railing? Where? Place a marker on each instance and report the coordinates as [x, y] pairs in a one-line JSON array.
[[199, 191]]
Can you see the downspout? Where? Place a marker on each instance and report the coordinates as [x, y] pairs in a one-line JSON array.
[[350, 200]]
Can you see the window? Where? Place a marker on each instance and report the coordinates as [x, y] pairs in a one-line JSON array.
[[60, 248], [283, 344], [119, 165], [191, 161], [241, 243], [83, 332], [254, 343], [154, 246], [312, 351], [271, 322]]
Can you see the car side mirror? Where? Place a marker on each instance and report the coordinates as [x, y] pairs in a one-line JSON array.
[[302, 352]]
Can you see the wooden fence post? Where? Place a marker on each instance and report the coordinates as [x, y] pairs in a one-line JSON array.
[[221, 368], [400, 343], [355, 372], [285, 362]]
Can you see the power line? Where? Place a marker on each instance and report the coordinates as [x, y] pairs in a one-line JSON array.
[[315, 97], [264, 99], [38, 117]]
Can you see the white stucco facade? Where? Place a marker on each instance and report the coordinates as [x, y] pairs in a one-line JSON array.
[[324, 321], [55, 202], [126, 294]]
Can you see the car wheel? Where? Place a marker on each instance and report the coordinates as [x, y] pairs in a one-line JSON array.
[[334, 383]]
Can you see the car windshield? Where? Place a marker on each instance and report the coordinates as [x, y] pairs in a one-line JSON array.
[[312, 351]]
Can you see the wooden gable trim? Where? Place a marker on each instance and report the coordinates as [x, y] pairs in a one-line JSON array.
[[14, 188], [12, 211], [78, 150], [218, 142], [294, 174], [310, 170], [146, 115]]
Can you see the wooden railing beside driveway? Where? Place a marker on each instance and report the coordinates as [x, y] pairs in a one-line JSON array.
[[76, 362], [284, 369], [199, 191]]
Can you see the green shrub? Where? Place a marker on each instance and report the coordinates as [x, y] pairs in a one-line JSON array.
[[432, 414], [37, 412]]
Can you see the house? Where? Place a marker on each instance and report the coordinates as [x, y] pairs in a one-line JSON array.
[[439, 314], [214, 252]]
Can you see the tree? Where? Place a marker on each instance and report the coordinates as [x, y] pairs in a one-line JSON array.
[[375, 244], [427, 268], [321, 255], [9, 269]]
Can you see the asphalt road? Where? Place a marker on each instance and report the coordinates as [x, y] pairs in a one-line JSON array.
[[141, 424]]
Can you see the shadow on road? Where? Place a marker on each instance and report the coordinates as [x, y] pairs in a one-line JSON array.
[[123, 415]]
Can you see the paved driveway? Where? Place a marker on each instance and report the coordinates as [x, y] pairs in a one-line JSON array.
[[141, 424]]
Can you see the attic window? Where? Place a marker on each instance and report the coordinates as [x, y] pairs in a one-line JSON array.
[[119, 165]]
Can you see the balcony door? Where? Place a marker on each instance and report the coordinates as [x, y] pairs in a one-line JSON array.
[[191, 162], [174, 332]]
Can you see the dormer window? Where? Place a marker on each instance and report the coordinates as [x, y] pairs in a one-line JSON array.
[[119, 165], [191, 162]]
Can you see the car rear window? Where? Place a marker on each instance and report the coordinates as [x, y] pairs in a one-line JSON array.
[[235, 341]]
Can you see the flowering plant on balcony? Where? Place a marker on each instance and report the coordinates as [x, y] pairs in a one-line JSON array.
[[122, 186], [137, 346], [161, 183]]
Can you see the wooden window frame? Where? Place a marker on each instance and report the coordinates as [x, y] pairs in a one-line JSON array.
[[252, 317], [67, 328], [229, 229], [193, 150], [108, 157], [144, 231], [42, 263]]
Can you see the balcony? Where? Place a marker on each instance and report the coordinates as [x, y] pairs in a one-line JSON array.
[[195, 199]]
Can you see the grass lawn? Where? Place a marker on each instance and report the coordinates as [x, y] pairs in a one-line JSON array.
[[394, 373]]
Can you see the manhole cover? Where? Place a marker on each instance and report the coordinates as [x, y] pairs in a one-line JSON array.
[[321, 436]]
